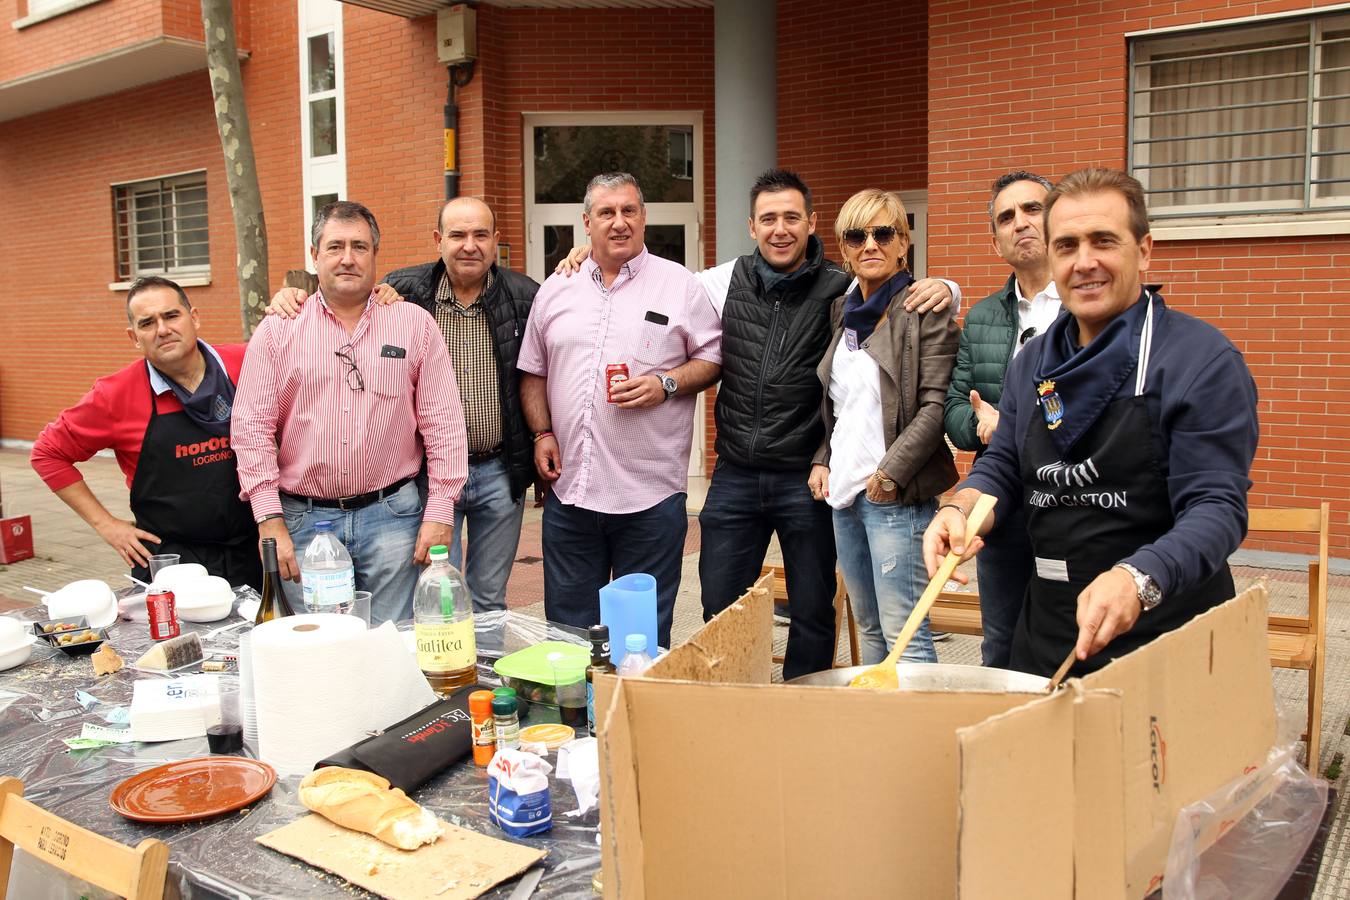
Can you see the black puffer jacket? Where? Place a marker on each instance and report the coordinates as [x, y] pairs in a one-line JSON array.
[[507, 306], [768, 404]]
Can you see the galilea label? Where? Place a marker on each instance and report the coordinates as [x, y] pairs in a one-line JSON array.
[[445, 646]]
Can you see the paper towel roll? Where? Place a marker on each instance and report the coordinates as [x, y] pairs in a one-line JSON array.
[[248, 708], [310, 684]]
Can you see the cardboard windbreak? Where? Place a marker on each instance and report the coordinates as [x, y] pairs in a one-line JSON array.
[[716, 783]]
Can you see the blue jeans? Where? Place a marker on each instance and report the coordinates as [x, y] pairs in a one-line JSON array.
[[493, 533], [585, 550], [881, 552], [1003, 568], [380, 537], [743, 509]]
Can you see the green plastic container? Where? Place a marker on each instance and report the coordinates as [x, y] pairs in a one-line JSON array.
[[531, 674]]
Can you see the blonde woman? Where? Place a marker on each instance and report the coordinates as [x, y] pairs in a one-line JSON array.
[[884, 462]]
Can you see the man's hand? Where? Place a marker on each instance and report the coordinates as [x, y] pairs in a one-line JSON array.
[[642, 392], [126, 538], [286, 303], [1107, 608], [879, 494], [548, 458], [819, 481], [947, 533], [571, 263], [286, 561], [928, 295], [986, 417], [385, 295], [428, 536]]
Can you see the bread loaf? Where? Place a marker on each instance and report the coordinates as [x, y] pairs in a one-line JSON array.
[[363, 801]]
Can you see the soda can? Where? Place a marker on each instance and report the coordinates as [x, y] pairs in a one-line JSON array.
[[163, 617], [615, 374]]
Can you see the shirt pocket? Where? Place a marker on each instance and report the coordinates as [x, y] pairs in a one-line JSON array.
[[654, 343], [389, 377]]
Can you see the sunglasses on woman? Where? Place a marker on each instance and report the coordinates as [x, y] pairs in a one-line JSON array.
[[882, 234]]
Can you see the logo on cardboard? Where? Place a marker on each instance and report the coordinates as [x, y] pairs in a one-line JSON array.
[[1157, 754]]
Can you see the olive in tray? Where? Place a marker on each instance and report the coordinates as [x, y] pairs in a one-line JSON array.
[[73, 637], [52, 630]]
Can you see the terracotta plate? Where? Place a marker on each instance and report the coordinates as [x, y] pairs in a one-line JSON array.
[[193, 789]]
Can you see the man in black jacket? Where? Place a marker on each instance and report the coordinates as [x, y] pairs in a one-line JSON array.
[[775, 329], [481, 310]]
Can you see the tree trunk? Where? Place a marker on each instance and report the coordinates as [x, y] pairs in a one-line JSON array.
[[241, 172]]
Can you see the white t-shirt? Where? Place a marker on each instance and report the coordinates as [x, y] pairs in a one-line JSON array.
[[859, 439], [1039, 313]]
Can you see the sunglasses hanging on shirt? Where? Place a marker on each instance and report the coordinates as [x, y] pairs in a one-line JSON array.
[[354, 379], [882, 234], [1025, 336]]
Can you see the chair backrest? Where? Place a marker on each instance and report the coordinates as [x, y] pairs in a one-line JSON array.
[[135, 873], [1308, 520]]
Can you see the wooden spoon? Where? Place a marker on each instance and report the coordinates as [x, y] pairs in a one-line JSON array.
[[882, 675], [1061, 671]]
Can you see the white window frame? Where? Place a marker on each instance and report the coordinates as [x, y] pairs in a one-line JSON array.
[[186, 276], [1308, 216], [916, 204], [42, 10], [326, 174]]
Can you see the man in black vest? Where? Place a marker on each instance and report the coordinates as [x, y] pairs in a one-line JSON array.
[[481, 310], [775, 329]]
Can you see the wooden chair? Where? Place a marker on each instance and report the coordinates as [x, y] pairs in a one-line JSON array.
[[842, 610], [133, 873], [1299, 641]]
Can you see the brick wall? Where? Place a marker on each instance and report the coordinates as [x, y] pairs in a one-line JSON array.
[[995, 70]]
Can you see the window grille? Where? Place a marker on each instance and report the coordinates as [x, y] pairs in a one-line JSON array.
[[161, 227]]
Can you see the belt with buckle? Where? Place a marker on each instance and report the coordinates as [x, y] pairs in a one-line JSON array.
[[475, 458], [357, 501]]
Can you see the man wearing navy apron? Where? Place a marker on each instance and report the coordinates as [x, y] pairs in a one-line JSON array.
[[167, 420], [1126, 433]]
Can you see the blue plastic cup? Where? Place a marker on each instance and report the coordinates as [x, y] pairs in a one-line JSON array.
[[628, 606]]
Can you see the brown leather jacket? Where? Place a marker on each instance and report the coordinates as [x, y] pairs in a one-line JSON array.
[[915, 354]]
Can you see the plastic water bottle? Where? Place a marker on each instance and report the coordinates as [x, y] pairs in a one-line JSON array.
[[447, 652], [635, 661], [327, 576]]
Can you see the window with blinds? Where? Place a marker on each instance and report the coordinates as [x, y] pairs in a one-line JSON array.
[[1243, 119], [161, 227]]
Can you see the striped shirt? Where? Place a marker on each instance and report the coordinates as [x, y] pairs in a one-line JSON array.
[[302, 426], [654, 317], [468, 335]]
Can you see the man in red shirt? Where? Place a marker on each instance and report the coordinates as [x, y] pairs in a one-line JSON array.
[[167, 419]]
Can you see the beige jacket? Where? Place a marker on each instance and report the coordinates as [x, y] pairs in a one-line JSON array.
[[915, 354]]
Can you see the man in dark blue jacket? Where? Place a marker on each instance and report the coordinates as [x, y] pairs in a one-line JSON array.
[[1127, 433]]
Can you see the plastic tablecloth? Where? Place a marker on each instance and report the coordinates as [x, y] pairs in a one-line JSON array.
[[52, 696]]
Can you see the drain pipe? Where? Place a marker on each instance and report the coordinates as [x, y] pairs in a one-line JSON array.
[[457, 76]]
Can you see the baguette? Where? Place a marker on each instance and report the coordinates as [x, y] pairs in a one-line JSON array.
[[363, 801]]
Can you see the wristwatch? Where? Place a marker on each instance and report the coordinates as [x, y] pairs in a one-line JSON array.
[[669, 386], [1150, 595]]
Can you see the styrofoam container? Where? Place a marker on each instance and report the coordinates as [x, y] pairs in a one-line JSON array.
[[17, 653], [172, 576], [205, 599], [90, 598], [12, 632]]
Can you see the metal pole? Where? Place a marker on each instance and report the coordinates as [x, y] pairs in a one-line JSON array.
[[451, 123]]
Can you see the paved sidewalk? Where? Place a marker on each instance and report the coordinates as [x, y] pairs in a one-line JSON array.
[[68, 550]]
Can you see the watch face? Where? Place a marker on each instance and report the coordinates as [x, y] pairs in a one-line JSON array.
[[669, 384]]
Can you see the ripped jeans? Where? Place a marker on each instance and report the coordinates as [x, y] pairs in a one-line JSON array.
[[880, 547]]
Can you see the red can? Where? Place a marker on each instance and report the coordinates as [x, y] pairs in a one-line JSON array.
[[615, 374], [163, 618]]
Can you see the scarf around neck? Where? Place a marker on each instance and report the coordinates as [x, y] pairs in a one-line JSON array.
[[861, 316]]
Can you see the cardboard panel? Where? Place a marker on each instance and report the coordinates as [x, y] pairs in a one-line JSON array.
[[621, 846], [1198, 708], [769, 791], [1099, 795], [736, 646], [1016, 836]]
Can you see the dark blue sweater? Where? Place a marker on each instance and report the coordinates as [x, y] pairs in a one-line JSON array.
[[1202, 404]]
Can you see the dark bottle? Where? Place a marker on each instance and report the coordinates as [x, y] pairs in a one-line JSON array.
[[273, 605], [600, 665]]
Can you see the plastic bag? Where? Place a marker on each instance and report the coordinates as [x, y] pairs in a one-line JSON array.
[[1246, 839]]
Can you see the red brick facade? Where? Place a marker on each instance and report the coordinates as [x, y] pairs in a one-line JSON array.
[[943, 95]]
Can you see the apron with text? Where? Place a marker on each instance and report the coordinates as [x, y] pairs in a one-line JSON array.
[[186, 492], [1087, 514]]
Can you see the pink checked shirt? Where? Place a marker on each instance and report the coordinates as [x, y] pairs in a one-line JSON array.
[[619, 460], [300, 427]]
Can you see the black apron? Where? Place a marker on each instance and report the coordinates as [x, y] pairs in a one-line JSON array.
[[1088, 513], [186, 492]]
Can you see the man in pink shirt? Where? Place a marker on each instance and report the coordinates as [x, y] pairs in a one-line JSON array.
[[617, 458], [336, 411]]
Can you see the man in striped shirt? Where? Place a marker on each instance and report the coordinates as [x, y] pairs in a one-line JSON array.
[[336, 410], [616, 454]]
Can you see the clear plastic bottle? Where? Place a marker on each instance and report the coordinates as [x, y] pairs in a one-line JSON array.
[[327, 576], [443, 621], [635, 661]]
